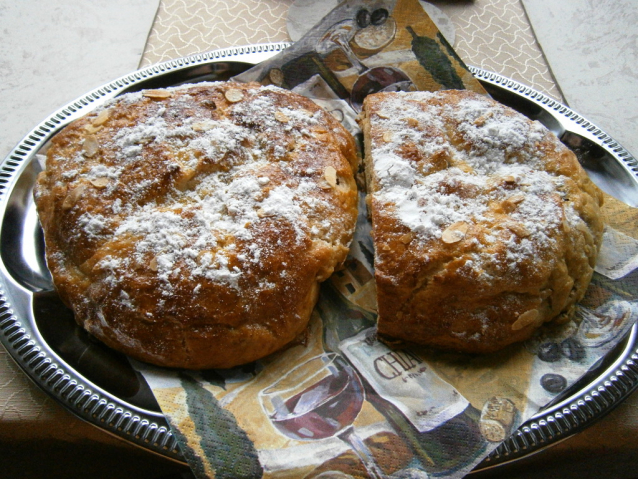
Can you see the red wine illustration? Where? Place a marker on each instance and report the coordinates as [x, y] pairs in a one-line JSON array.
[[318, 399], [322, 410], [370, 80]]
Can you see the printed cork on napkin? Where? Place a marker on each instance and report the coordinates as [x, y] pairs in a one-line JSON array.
[[343, 404]]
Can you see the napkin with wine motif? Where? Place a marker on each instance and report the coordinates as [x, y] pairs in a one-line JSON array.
[[342, 404]]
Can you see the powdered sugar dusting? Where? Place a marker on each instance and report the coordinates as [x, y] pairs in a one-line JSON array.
[[234, 178], [476, 163]]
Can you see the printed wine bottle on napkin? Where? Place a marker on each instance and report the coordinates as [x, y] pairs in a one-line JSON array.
[[428, 413]]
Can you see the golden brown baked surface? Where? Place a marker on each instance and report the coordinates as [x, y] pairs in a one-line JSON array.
[[485, 225], [190, 227]]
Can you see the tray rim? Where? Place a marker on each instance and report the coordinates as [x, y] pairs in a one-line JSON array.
[[149, 429]]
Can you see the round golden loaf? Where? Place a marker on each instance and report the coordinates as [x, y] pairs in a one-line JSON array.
[[190, 227], [485, 225]]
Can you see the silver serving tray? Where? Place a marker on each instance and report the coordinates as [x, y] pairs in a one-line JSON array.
[[99, 385]]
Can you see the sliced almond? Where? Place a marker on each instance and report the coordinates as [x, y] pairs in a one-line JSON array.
[[145, 141], [89, 128], [157, 94], [261, 213], [480, 121], [73, 196], [90, 146], [102, 118], [406, 238], [280, 116], [519, 229], [383, 115], [526, 319], [455, 232], [413, 122], [509, 179], [203, 126], [100, 182], [153, 264], [464, 167], [516, 199], [387, 136], [330, 174], [509, 204], [234, 95]]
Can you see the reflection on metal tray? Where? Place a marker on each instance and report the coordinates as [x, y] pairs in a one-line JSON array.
[[100, 386]]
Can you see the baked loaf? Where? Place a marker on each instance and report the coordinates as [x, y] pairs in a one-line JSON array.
[[190, 227], [485, 225]]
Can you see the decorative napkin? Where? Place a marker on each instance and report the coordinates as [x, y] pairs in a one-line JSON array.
[[343, 404], [491, 34]]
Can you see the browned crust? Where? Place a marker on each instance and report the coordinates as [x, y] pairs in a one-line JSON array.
[[167, 313], [468, 295]]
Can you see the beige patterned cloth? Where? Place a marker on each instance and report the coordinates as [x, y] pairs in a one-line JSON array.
[[496, 36], [491, 34], [183, 27]]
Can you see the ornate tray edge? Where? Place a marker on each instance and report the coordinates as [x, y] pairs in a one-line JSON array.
[[151, 431], [600, 397], [86, 400], [571, 120], [575, 413]]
